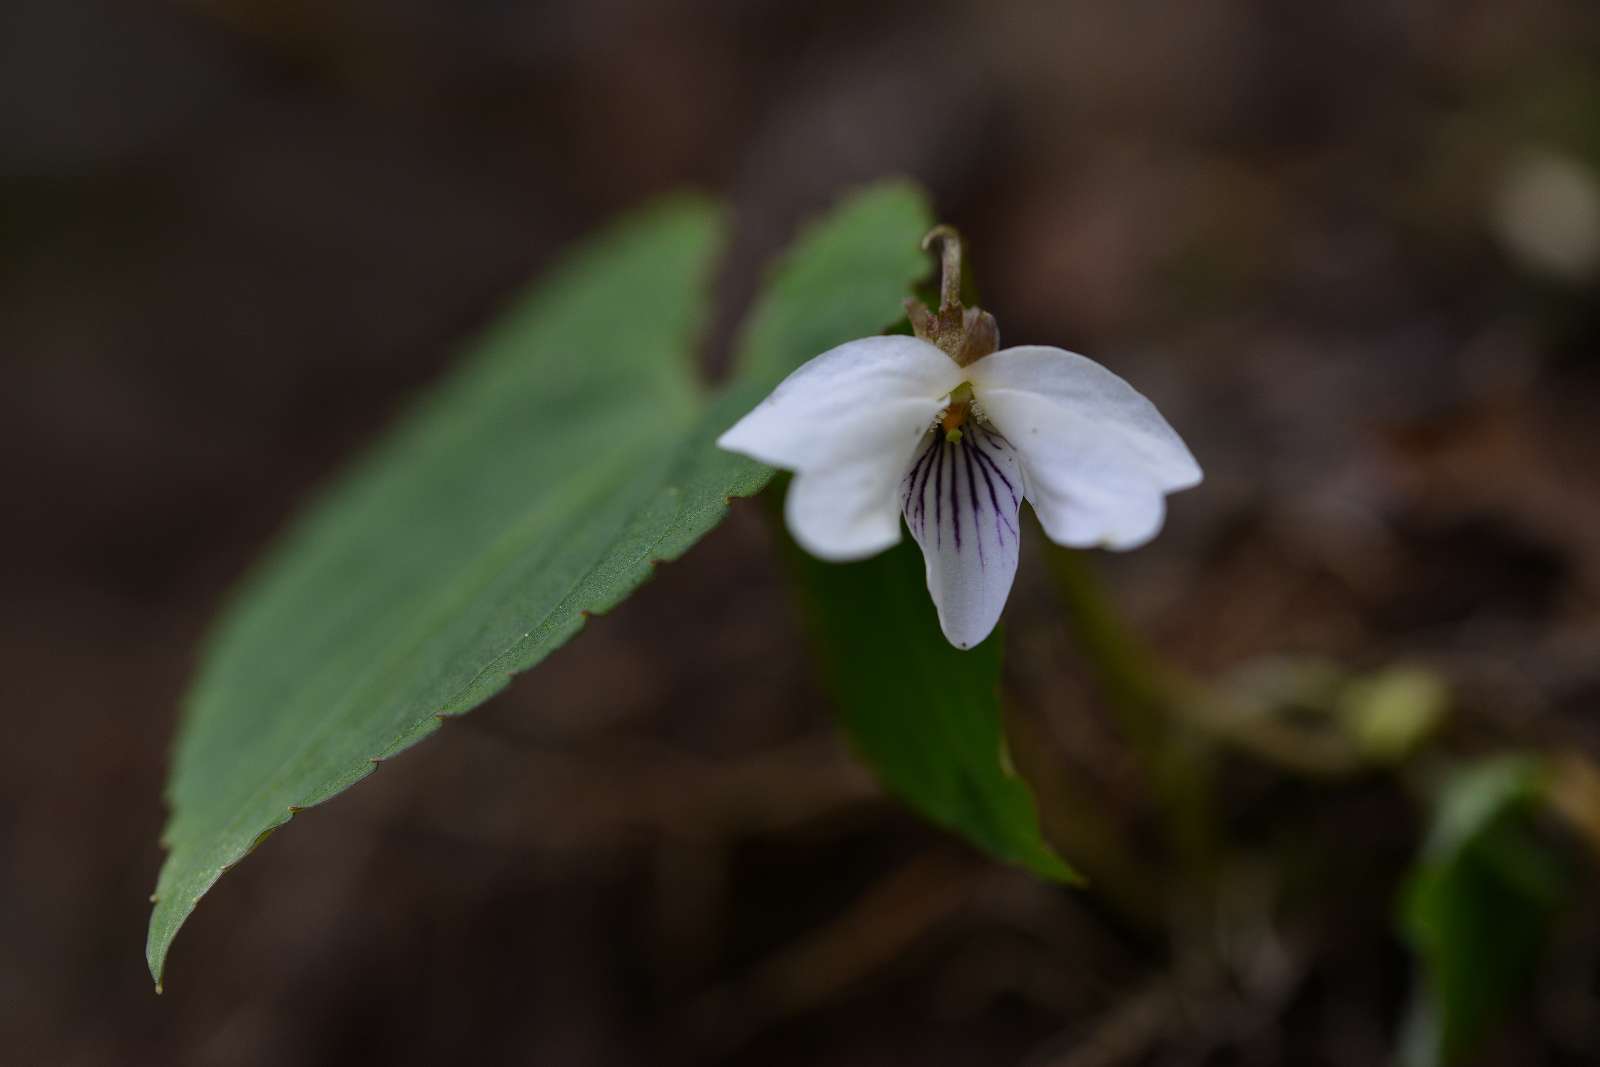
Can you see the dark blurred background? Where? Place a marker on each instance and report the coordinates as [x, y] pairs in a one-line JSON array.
[[1349, 248]]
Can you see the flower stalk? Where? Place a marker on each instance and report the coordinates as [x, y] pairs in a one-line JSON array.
[[950, 263]]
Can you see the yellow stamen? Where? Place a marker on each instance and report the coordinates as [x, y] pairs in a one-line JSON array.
[[955, 416]]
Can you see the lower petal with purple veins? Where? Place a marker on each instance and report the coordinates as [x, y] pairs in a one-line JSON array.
[[960, 500]]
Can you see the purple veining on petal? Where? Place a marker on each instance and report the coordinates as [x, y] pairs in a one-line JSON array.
[[993, 465], [970, 576], [972, 494], [995, 435], [994, 498], [955, 506], [922, 483], [911, 486], [963, 478]]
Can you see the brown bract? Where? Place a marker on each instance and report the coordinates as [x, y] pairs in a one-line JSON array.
[[964, 334]]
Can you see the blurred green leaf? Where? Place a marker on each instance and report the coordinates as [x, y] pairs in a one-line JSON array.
[[537, 485], [924, 715], [1477, 909], [1393, 711], [809, 304]]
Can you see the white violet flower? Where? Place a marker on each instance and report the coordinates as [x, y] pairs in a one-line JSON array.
[[949, 433]]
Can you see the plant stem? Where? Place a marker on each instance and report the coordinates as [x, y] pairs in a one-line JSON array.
[[1143, 694], [1149, 695]]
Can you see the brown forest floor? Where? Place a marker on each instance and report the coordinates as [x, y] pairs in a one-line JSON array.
[[236, 234]]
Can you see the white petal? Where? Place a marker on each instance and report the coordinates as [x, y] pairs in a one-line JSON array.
[[1097, 456], [857, 385], [960, 503], [846, 423]]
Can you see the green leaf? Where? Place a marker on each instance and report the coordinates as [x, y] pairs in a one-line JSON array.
[[1477, 909], [537, 485], [809, 306], [924, 715]]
